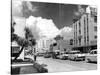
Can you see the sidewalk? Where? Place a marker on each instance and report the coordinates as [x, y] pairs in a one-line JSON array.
[[24, 68], [29, 68]]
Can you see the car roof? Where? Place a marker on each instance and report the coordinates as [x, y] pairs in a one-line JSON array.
[[74, 51], [94, 50]]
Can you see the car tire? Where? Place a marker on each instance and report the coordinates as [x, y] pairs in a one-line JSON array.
[[74, 59], [83, 59]]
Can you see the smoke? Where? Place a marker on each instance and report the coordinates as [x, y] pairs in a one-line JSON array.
[[41, 27]]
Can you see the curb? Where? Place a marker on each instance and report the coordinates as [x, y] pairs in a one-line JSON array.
[[40, 68]]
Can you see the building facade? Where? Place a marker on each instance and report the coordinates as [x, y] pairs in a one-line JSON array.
[[85, 30], [43, 45]]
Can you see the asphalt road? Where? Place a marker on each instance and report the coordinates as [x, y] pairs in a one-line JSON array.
[[57, 65]]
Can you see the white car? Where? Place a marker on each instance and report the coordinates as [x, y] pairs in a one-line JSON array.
[[76, 55], [92, 56], [63, 56]]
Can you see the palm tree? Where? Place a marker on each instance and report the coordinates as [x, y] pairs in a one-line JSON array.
[[58, 38], [23, 42]]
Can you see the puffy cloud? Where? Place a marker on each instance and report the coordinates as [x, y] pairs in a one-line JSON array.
[[66, 29], [66, 32], [42, 27], [19, 27]]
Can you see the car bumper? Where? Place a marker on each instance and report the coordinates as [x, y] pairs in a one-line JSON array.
[[65, 57], [80, 58]]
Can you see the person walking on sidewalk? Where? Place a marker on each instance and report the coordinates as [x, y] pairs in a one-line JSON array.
[[35, 54]]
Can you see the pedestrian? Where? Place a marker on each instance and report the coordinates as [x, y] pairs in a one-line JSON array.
[[35, 54]]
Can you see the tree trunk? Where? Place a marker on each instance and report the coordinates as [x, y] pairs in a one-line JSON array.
[[19, 53]]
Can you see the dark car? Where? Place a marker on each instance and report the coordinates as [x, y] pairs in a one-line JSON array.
[[40, 54], [47, 55], [55, 54]]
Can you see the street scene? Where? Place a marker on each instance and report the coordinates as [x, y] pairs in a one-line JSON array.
[[52, 37]]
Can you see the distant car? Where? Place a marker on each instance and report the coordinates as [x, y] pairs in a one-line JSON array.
[[92, 56], [40, 54], [47, 55], [76, 55], [63, 56], [56, 53]]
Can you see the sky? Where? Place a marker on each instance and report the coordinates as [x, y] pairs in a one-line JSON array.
[[50, 17], [61, 14]]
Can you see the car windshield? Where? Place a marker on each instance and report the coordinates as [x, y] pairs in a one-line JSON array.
[[76, 52]]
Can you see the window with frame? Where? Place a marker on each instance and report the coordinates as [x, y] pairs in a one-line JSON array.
[[95, 19], [95, 36], [95, 28]]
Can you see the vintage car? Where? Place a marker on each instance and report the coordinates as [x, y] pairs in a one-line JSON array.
[[76, 55], [92, 56], [55, 54], [47, 55], [63, 56]]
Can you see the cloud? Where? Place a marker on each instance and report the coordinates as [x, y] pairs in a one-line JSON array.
[[20, 6], [19, 27], [66, 29], [66, 32], [31, 7], [43, 27], [80, 11], [17, 8]]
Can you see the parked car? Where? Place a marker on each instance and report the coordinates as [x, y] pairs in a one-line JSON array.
[[55, 54], [47, 55], [63, 56], [76, 55], [92, 56], [40, 54]]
